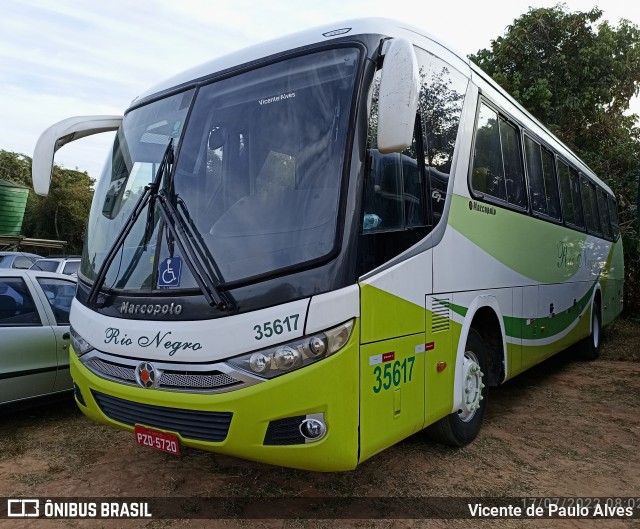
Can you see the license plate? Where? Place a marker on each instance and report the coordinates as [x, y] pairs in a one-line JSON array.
[[167, 442]]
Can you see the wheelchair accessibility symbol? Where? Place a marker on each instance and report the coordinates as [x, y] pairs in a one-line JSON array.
[[169, 272]]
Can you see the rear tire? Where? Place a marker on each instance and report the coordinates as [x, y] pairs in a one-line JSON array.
[[461, 428], [590, 346]]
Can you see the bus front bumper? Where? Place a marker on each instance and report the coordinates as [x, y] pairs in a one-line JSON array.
[[241, 418]]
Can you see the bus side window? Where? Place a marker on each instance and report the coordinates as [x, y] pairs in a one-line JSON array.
[[487, 176], [536, 177], [613, 215], [497, 164], [512, 160], [575, 194], [590, 207], [570, 195], [604, 214], [551, 184], [543, 187]]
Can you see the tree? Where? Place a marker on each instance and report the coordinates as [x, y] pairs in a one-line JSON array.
[[577, 76], [15, 168], [61, 215]]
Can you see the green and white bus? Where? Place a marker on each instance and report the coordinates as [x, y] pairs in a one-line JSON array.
[[306, 251]]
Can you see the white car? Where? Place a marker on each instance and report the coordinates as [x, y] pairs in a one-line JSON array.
[[61, 265], [34, 333], [20, 260]]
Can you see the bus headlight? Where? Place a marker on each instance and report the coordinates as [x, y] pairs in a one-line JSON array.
[[286, 357], [80, 345], [293, 355]]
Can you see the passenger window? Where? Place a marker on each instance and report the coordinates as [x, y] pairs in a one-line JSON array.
[[488, 175], [512, 159], [575, 195], [570, 194], [590, 207], [16, 304], [604, 214], [536, 177], [550, 184], [497, 167], [542, 179], [60, 294], [613, 215]]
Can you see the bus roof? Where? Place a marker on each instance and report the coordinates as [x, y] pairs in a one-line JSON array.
[[336, 30]]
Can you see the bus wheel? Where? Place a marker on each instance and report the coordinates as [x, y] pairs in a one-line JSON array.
[[591, 344], [462, 427]]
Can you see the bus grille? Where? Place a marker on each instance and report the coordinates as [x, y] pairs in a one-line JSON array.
[[168, 380], [211, 426]]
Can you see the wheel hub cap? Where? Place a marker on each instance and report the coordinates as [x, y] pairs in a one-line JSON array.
[[472, 387]]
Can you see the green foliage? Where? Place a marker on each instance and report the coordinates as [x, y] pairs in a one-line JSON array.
[[577, 76], [62, 215], [15, 168]]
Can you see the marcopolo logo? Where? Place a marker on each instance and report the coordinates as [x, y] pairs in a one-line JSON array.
[[482, 208], [150, 309]]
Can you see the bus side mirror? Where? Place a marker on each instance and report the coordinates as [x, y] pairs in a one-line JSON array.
[[398, 96], [60, 134]]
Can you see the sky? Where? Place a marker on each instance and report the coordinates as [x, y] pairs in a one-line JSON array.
[[62, 58]]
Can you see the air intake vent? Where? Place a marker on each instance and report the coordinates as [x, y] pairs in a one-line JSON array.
[[441, 313], [207, 426], [285, 432]]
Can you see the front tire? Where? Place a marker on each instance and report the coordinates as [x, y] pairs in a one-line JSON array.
[[462, 427]]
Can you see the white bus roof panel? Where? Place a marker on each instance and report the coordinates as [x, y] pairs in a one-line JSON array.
[[380, 26]]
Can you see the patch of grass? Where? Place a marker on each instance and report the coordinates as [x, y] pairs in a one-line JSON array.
[[275, 489], [56, 468], [621, 340], [166, 524], [32, 479], [174, 484]]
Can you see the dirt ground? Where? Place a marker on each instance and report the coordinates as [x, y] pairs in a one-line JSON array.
[[564, 428]]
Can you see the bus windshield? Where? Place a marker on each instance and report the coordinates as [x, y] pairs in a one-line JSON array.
[[257, 175]]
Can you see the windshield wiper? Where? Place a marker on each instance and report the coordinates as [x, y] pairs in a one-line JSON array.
[[149, 190], [191, 255], [199, 246], [150, 197], [185, 234]]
